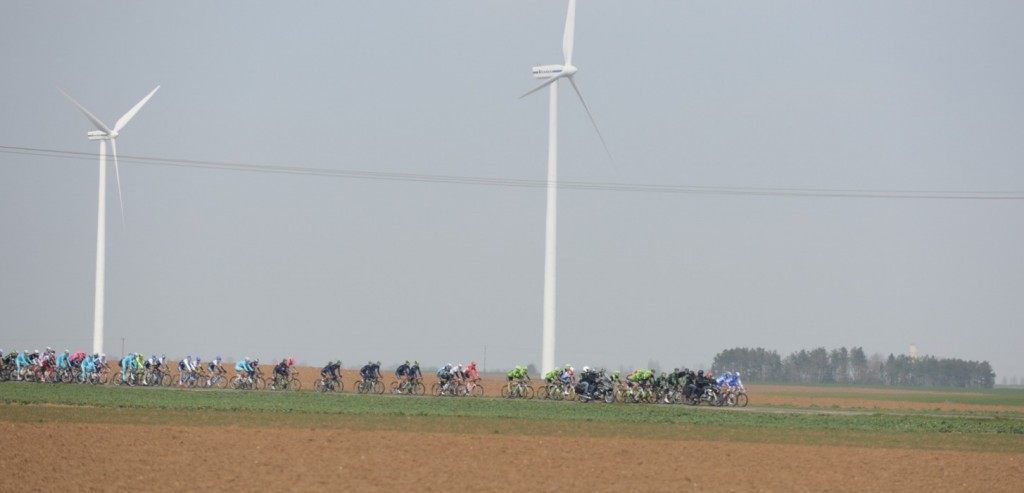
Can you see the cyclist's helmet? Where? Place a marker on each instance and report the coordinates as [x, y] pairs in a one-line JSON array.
[[65, 351], [198, 360], [586, 369], [417, 362], [737, 374], [378, 362]]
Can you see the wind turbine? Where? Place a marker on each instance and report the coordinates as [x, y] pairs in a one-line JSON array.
[[553, 73], [104, 133]]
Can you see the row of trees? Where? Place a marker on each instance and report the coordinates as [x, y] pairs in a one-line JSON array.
[[854, 366]]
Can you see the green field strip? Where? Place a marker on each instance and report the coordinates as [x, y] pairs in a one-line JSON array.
[[360, 405]]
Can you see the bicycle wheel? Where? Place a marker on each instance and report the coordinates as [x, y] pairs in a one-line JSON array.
[[418, 388], [741, 400], [319, 386], [504, 392], [295, 385], [260, 383], [395, 388], [478, 391], [117, 379], [378, 387]]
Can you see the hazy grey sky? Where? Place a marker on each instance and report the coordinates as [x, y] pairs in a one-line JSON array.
[[868, 95]]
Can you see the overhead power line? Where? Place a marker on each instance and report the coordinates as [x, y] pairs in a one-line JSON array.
[[522, 183]]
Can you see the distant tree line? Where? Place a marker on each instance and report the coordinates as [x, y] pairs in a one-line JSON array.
[[853, 366]]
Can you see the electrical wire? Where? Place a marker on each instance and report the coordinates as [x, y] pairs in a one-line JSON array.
[[523, 183]]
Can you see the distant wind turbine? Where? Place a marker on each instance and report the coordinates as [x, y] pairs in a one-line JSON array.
[[103, 134], [553, 73]]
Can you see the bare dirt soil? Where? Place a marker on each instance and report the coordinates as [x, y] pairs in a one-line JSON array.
[[110, 457]]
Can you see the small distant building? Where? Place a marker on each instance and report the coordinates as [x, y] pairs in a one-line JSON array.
[[913, 352]]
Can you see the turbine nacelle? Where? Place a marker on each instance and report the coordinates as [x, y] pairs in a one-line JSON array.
[[549, 71], [101, 135]]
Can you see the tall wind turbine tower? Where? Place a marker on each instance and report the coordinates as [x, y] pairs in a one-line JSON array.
[[553, 73], [103, 134]]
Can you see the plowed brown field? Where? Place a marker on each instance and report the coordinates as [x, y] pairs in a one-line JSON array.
[[141, 457]]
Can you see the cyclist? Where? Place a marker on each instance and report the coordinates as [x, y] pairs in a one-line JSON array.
[[281, 372], [414, 371], [8, 359], [471, 372], [22, 362], [516, 375], [331, 371], [735, 382], [456, 372], [254, 366], [216, 371], [444, 376], [553, 375], [88, 366], [126, 364], [242, 368], [723, 379], [371, 371], [64, 361], [187, 367], [615, 377], [45, 363], [76, 359], [568, 373], [402, 373]]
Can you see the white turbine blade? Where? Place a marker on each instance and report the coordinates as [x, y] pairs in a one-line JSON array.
[[543, 85], [135, 109], [592, 120], [95, 121], [570, 31], [117, 174]]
